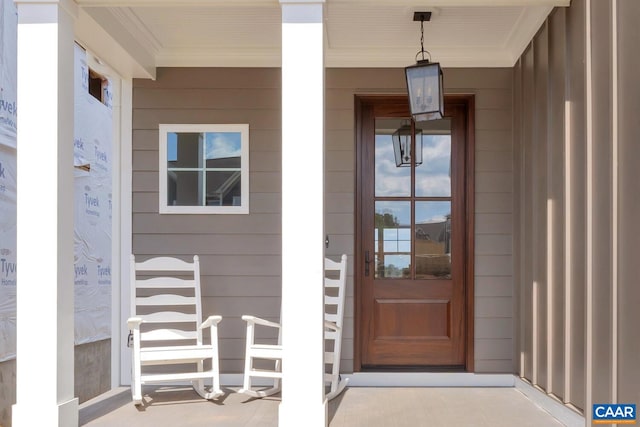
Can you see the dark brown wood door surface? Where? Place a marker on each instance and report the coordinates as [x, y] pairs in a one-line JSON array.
[[411, 236]]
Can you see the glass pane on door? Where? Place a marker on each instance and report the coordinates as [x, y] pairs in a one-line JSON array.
[[433, 240], [390, 180], [392, 240], [433, 175]]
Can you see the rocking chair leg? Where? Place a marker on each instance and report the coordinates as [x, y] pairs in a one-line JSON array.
[[199, 388], [261, 393], [136, 392], [341, 386]]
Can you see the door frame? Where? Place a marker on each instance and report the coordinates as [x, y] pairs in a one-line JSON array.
[[468, 102]]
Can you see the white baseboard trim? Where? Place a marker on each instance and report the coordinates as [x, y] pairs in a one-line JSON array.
[[402, 379], [428, 379], [561, 412]]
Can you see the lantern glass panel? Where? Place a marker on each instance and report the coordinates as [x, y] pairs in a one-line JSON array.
[[424, 83]]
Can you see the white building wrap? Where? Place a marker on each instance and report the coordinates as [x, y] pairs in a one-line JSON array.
[[8, 128], [92, 224], [92, 229]]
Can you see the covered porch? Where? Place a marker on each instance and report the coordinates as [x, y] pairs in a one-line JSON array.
[[552, 176]]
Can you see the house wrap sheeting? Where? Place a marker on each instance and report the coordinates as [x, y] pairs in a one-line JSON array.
[[92, 224], [8, 127]]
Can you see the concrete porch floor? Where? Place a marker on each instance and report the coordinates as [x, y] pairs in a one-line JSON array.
[[355, 407]]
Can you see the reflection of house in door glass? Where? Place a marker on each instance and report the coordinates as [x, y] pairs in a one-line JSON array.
[[433, 240], [392, 239]]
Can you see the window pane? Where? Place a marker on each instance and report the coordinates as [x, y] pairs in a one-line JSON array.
[[433, 240], [393, 239], [433, 176], [204, 168], [223, 188], [390, 180], [223, 149], [184, 150], [184, 188]]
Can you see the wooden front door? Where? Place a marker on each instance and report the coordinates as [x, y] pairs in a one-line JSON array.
[[412, 239]]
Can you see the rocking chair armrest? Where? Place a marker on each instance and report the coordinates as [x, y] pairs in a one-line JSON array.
[[134, 322], [211, 321], [259, 321], [331, 325]]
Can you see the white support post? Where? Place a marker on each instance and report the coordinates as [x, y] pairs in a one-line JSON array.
[[125, 190], [303, 399], [45, 311]]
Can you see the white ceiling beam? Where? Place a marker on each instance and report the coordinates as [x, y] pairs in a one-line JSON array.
[[94, 38], [424, 4], [176, 3], [207, 57], [115, 45]]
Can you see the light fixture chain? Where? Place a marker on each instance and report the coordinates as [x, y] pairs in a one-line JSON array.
[[422, 38]]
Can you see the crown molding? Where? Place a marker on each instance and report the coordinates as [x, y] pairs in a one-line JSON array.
[[334, 58], [525, 29], [449, 58], [207, 57], [175, 3], [253, 3]]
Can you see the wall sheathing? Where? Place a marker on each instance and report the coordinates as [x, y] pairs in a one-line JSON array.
[[576, 105]]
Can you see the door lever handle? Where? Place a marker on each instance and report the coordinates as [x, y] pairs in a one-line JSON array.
[[367, 263]]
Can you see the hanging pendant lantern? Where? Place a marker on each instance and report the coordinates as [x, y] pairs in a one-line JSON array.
[[425, 82]]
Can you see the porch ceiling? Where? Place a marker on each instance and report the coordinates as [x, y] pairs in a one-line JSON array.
[[359, 33]]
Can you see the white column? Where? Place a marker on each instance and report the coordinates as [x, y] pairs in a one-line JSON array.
[[45, 380], [303, 401], [125, 230]]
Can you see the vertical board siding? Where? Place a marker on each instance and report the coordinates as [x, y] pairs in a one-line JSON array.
[[241, 254], [527, 207], [576, 131], [601, 259], [518, 214], [576, 35], [628, 94], [555, 167], [541, 73]]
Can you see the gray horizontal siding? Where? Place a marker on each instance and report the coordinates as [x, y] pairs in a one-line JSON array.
[[240, 254]]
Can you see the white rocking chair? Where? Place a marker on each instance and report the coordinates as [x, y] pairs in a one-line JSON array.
[[335, 290], [166, 326]]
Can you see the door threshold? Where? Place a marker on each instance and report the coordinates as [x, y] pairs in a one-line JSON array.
[[425, 369], [429, 379]]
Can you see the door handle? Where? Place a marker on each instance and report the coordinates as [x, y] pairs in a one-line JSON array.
[[367, 263]]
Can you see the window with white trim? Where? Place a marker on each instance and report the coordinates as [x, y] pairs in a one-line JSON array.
[[204, 169]]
